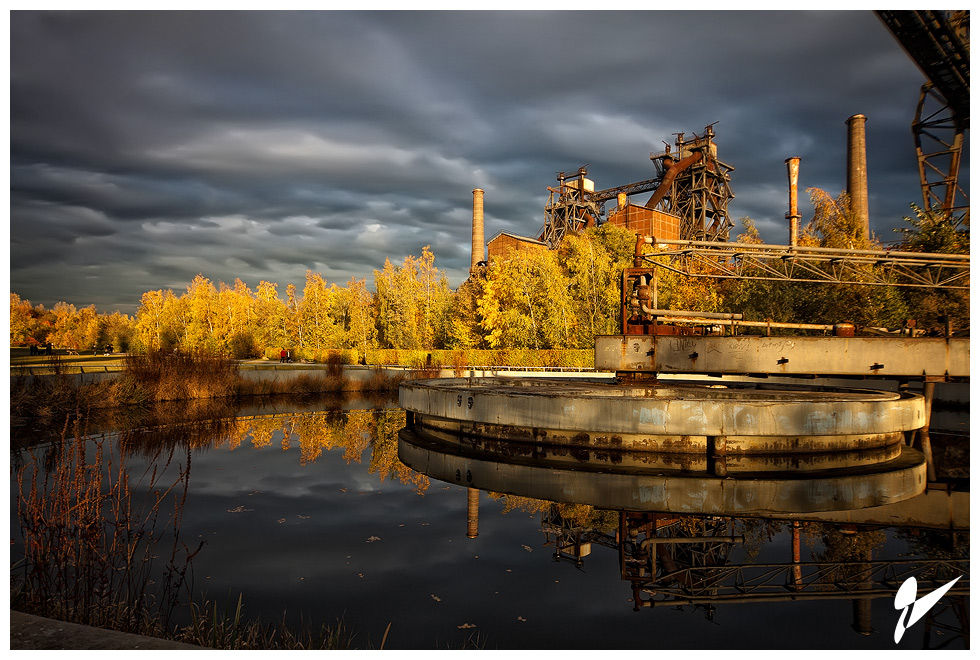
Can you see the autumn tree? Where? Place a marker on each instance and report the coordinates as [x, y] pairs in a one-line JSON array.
[[317, 314], [202, 311], [159, 322], [929, 231], [357, 321], [272, 323], [526, 302], [412, 303], [25, 326], [463, 329]]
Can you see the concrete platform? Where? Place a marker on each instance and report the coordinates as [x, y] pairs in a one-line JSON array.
[[29, 632], [919, 357]]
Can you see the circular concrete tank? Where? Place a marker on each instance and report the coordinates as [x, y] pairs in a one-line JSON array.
[[794, 449], [675, 418]]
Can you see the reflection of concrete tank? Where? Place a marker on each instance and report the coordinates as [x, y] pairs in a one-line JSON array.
[[691, 447]]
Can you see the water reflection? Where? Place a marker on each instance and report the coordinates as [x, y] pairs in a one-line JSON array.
[[311, 512], [704, 561]]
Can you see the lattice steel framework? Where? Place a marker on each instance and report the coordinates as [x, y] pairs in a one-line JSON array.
[[768, 582], [569, 208], [939, 135], [698, 195], [752, 261]]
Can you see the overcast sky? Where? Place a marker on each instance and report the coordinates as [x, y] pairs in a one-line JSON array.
[[149, 147]]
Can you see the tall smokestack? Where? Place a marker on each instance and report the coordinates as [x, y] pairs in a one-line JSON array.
[[793, 170], [857, 172], [476, 254]]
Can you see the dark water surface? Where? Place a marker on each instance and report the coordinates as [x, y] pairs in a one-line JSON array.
[[312, 515]]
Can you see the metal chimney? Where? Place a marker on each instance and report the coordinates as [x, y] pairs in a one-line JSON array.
[[793, 170], [857, 172], [476, 254]]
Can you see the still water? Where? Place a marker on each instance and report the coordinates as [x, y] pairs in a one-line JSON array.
[[308, 512]]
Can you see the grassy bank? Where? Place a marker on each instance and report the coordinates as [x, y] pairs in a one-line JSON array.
[[47, 404]]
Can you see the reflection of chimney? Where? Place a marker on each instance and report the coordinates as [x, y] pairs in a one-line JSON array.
[[472, 511], [797, 570], [857, 172], [793, 170], [476, 255], [861, 623]]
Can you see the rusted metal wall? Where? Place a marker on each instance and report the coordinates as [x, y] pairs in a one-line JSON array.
[[501, 244], [646, 222]]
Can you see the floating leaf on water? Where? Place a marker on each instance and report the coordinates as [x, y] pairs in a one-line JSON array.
[[303, 517], [360, 575], [467, 625], [239, 509], [520, 618], [436, 598], [372, 539], [281, 521], [527, 547]]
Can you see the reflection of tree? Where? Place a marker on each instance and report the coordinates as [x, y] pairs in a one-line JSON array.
[[521, 503], [384, 457]]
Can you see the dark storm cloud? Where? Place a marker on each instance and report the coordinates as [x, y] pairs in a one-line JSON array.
[[147, 147]]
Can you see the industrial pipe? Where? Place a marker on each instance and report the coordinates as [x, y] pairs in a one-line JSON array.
[[793, 170], [693, 315], [750, 324], [672, 171]]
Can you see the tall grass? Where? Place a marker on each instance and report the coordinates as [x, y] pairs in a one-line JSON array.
[[43, 403], [181, 376], [89, 543]]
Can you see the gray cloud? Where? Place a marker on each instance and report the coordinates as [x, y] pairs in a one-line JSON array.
[[147, 147]]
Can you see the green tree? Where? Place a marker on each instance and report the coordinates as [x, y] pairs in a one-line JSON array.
[[934, 232]]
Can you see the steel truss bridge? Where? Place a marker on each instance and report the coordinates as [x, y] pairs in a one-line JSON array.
[[756, 261], [939, 43]]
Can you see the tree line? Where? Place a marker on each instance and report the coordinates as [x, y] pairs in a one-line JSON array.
[[538, 300]]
